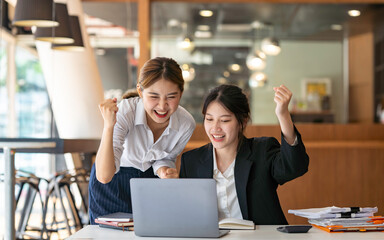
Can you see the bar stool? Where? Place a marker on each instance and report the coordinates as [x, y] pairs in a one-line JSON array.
[[29, 183], [59, 189]]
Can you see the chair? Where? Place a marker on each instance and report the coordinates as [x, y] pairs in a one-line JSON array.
[[29, 183], [60, 188]]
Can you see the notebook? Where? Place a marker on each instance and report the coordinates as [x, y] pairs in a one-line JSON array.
[[175, 208]]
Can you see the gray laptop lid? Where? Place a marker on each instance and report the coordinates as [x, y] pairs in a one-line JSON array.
[[175, 207]]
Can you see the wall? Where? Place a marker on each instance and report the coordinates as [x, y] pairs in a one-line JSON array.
[[361, 78], [298, 60], [113, 68]]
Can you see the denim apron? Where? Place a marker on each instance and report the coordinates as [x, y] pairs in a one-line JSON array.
[[114, 196]]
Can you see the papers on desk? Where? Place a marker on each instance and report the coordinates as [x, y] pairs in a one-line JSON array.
[[117, 216], [336, 219], [335, 212]]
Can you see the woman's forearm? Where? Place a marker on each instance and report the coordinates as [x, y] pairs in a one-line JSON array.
[[105, 160], [287, 128]]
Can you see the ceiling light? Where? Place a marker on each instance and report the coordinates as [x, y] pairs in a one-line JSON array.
[[270, 46], [222, 80], [256, 60], [78, 44], [206, 13], [257, 24], [61, 34], [203, 34], [203, 27], [354, 13], [34, 13], [257, 79], [186, 43], [234, 67], [336, 27], [173, 22], [188, 72]]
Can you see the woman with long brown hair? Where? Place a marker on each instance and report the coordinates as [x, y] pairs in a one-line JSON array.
[[142, 136]]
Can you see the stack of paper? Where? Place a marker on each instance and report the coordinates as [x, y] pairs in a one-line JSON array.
[[118, 220], [333, 219], [335, 212]]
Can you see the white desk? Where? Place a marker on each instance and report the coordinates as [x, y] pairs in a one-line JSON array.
[[264, 232]]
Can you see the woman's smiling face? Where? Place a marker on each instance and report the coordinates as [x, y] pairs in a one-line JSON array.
[[221, 126], [161, 100]]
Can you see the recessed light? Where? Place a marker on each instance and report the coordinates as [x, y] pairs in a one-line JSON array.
[[173, 22], [336, 27], [203, 34], [354, 13], [234, 67], [206, 13], [203, 27]]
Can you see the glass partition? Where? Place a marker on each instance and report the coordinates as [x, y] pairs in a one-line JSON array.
[[261, 45], [32, 104]]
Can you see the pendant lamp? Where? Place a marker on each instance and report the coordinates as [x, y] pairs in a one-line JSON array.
[[271, 46], [58, 35], [78, 44], [188, 72], [37, 13], [256, 60], [257, 79]]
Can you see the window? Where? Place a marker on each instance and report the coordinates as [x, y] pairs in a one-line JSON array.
[[31, 100], [3, 89]]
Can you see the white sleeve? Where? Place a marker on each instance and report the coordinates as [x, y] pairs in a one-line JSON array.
[[124, 120], [186, 131]]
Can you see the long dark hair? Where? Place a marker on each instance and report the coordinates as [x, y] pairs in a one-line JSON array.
[[234, 100]]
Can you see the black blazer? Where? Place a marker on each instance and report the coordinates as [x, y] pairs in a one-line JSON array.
[[261, 164]]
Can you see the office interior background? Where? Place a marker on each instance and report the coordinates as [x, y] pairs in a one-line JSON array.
[[331, 58]]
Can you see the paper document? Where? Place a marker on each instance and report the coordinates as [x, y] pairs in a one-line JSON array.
[[334, 212], [117, 217]]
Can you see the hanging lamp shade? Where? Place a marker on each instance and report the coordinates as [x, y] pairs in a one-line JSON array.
[[78, 44], [257, 79], [37, 13], [188, 72], [256, 60], [271, 46], [185, 42], [60, 34]]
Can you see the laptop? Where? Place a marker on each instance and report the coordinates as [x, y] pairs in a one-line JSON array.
[[175, 208]]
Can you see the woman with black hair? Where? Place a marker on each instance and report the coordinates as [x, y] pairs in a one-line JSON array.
[[247, 170]]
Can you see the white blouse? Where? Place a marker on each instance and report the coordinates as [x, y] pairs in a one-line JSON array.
[[133, 140], [227, 201]]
